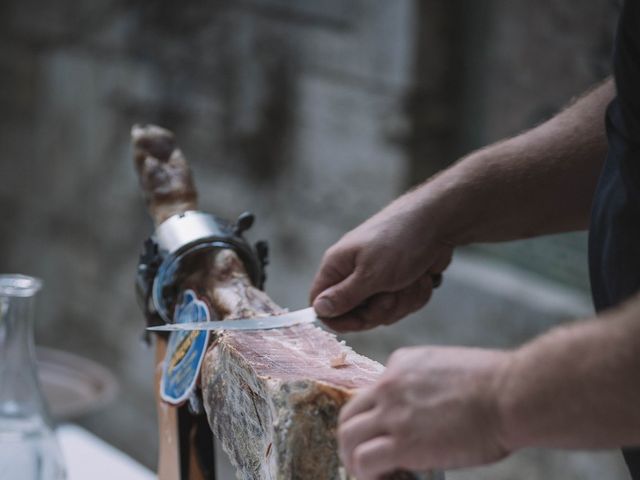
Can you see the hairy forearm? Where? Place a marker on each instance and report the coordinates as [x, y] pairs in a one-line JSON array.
[[576, 386], [539, 182]]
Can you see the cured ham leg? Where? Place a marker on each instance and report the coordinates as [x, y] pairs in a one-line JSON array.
[[272, 397]]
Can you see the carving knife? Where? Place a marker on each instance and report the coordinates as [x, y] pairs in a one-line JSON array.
[[306, 315]]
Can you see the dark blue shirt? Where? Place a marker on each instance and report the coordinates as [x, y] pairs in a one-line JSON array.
[[614, 233]]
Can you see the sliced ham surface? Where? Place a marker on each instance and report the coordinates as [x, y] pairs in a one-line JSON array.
[[304, 352]]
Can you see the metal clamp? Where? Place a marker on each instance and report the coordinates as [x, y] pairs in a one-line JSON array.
[[179, 237]]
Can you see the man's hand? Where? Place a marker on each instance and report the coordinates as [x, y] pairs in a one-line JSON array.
[[382, 270], [433, 408]]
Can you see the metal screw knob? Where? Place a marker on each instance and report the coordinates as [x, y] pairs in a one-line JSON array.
[[244, 223]]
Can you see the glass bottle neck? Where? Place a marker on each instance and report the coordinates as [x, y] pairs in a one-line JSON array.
[[16, 332], [20, 394]]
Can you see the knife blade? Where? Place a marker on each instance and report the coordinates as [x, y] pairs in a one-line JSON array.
[[306, 315]]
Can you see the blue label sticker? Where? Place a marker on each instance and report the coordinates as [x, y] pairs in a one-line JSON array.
[[185, 351]]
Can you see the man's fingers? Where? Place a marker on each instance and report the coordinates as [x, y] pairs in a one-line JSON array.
[[334, 268], [421, 291], [364, 400], [343, 297], [385, 308], [358, 429], [374, 458]]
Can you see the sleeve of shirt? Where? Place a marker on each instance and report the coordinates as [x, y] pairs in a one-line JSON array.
[[626, 64]]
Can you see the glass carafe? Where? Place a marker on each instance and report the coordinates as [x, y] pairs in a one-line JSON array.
[[28, 446]]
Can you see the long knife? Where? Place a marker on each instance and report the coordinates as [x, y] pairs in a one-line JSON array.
[[306, 315]]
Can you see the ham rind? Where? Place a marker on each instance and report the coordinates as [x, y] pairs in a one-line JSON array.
[[272, 397], [284, 396]]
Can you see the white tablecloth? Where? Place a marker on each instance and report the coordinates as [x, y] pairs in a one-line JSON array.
[[90, 458]]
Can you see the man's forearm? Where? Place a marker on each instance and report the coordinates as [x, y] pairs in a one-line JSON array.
[[539, 182], [577, 386]]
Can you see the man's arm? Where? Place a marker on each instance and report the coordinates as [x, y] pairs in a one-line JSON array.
[[577, 386], [539, 182], [446, 407], [536, 183]]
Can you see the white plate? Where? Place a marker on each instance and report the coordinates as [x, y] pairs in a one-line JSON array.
[[73, 385]]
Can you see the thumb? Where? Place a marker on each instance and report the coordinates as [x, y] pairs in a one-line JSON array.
[[342, 297]]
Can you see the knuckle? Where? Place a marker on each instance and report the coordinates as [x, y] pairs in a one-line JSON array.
[[372, 315], [336, 255], [358, 460], [395, 356], [400, 422], [386, 386], [398, 355], [332, 252], [394, 446], [387, 302], [335, 295], [410, 300], [420, 291], [366, 272], [333, 270], [343, 436]]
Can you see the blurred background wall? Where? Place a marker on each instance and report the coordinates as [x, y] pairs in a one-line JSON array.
[[311, 114]]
